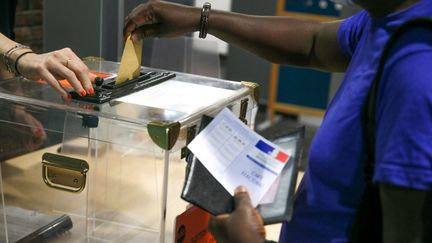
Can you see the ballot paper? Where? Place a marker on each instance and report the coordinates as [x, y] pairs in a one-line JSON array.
[[236, 155], [130, 63]]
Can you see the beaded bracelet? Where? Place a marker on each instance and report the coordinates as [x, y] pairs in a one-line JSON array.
[[204, 20], [8, 54]]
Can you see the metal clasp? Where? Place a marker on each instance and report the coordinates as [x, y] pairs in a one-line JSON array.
[[64, 173], [185, 152], [243, 111]]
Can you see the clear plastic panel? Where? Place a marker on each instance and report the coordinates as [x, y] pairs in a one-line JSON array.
[[29, 203], [124, 185], [188, 55], [122, 200]]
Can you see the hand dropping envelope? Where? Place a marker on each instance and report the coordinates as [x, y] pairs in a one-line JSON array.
[[130, 63], [235, 155]]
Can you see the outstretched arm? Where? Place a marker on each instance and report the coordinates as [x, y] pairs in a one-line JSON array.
[[52, 66], [283, 40]]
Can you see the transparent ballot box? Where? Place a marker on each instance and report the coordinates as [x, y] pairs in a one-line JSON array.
[[104, 171]]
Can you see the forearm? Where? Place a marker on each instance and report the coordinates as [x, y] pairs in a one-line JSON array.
[[282, 40], [277, 39], [5, 45]]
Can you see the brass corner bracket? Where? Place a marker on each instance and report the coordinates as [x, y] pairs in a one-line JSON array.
[[255, 88], [163, 133]]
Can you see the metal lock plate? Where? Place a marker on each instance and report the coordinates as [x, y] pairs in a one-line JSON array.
[[64, 173]]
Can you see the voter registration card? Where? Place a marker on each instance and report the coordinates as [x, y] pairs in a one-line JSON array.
[[235, 155]]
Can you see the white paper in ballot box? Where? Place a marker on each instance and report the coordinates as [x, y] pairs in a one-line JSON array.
[[236, 155]]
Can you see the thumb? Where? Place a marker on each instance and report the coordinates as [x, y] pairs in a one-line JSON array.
[[242, 198], [150, 30]]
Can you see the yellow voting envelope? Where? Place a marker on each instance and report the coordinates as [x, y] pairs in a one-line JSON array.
[[130, 63]]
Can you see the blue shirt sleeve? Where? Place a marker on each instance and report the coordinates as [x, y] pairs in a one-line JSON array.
[[350, 31], [404, 114]]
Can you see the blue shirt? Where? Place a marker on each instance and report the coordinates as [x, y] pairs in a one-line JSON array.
[[331, 189]]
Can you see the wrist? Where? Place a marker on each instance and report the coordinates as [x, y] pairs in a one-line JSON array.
[[22, 61], [10, 57], [196, 20], [192, 18]]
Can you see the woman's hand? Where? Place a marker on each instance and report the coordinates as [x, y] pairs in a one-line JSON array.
[[243, 225], [57, 65], [161, 19]]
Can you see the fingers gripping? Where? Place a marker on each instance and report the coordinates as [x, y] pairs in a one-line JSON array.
[[141, 16], [46, 75], [81, 71], [57, 65]]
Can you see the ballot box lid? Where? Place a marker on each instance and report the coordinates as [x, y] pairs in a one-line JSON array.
[[183, 98]]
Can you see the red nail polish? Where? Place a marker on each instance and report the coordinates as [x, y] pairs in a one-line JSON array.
[[38, 132], [91, 90], [83, 93], [69, 96]]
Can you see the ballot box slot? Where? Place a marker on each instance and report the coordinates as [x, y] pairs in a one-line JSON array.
[[107, 89]]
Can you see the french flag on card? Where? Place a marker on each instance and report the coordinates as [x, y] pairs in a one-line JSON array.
[[268, 149]]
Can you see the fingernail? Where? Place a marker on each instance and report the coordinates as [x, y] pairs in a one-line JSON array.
[[240, 189], [38, 132], [91, 90], [66, 97], [134, 38], [83, 93]]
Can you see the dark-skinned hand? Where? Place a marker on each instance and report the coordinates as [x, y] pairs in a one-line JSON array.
[[161, 19], [243, 225]]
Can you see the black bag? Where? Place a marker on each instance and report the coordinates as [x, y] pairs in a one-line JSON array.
[[367, 225]]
